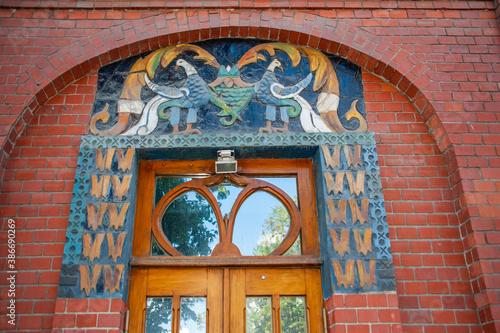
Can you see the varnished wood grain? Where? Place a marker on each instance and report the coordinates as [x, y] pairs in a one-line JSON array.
[[275, 301], [215, 300], [314, 301], [237, 301], [275, 281], [226, 281], [145, 198], [191, 282], [280, 261], [227, 300], [307, 200], [137, 299]]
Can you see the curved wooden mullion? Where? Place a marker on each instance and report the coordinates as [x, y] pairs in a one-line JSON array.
[[226, 227], [196, 185], [235, 179], [295, 222], [255, 185]]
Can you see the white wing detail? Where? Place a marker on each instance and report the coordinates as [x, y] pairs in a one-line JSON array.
[[309, 120], [149, 118]]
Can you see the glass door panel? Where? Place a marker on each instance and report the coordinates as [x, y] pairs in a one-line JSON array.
[[193, 315], [293, 314], [276, 301], [176, 300], [159, 314], [258, 313]]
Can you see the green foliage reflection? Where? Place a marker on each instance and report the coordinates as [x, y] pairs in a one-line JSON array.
[[189, 221], [159, 314], [293, 314], [275, 228], [258, 312]]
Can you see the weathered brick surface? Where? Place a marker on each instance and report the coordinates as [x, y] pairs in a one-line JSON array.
[[433, 99], [36, 192]]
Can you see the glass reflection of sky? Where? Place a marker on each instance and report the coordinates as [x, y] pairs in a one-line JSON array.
[[197, 306], [255, 210], [226, 196]]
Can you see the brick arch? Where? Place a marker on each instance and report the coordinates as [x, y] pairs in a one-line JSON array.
[[375, 54]]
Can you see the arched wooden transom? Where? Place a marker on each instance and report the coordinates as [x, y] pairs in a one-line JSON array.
[[226, 247]]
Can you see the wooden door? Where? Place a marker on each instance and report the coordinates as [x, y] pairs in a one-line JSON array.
[[148, 285], [236, 299], [275, 300], [233, 284]]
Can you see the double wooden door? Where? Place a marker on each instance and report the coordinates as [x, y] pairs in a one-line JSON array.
[[208, 256], [217, 300]]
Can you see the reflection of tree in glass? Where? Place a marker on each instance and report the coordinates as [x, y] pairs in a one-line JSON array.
[[222, 192], [275, 228], [258, 314], [193, 315], [189, 222], [293, 315], [292, 310], [159, 314]]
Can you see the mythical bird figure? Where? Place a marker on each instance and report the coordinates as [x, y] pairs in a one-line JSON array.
[[271, 93], [192, 95], [228, 92]]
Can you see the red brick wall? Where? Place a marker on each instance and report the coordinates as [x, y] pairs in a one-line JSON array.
[[36, 192], [433, 282], [439, 153]]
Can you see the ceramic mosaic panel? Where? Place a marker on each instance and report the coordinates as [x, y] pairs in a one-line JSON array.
[[354, 235], [229, 86], [97, 253]]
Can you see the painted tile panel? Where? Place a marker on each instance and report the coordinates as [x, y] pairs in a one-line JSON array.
[[229, 86]]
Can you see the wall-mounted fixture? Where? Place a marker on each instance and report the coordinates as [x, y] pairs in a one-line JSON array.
[[226, 163]]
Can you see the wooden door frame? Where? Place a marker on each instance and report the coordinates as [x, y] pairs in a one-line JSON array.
[[143, 264], [301, 168]]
